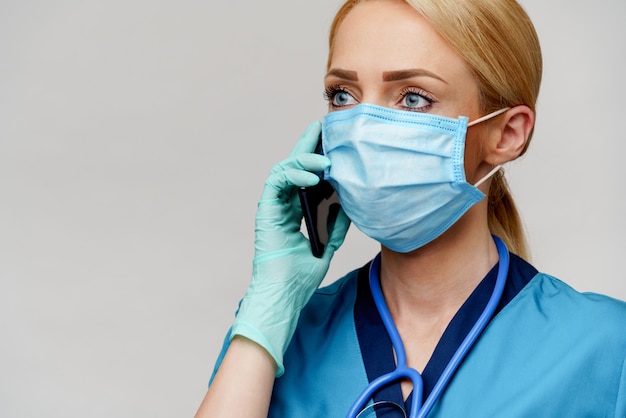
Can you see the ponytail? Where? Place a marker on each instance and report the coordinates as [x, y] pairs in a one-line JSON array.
[[503, 217]]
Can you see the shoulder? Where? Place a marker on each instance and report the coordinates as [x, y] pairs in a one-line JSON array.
[[556, 297], [549, 311], [533, 353]]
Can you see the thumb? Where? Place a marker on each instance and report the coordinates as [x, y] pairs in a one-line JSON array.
[[338, 234]]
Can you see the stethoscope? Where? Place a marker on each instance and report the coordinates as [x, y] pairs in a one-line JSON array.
[[402, 371]]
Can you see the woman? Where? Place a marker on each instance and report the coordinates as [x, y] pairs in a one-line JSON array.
[[412, 173]]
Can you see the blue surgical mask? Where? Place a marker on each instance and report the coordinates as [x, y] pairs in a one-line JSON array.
[[399, 174]]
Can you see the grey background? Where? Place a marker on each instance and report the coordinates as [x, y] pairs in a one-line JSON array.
[[135, 137]]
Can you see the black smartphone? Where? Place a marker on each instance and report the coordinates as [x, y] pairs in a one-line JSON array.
[[320, 206]]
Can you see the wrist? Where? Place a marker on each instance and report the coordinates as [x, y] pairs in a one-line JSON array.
[[242, 330]]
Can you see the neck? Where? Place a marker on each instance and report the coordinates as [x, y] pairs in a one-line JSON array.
[[435, 280], [425, 288]]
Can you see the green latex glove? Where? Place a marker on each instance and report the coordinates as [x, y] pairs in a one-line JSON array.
[[285, 273]]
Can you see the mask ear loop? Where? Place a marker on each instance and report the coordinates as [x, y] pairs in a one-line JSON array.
[[489, 174], [489, 116], [477, 121]]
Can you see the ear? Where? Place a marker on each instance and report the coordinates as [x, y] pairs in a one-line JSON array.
[[509, 135]]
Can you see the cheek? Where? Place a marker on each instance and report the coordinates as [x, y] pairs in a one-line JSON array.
[[473, 153]]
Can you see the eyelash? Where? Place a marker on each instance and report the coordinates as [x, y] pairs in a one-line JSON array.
[[331, 91], [412, 90]]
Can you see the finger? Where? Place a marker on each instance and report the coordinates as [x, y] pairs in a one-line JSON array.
[[308, 162], [308, 140], [338, 234], [283, 182]]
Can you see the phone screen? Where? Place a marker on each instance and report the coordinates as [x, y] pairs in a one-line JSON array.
[[320, 206]]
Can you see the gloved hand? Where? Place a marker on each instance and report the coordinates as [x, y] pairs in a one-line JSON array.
[[285, 273]]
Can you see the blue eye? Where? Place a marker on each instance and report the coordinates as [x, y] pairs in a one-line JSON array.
[[415, 100], [338, 97], [341, 98]]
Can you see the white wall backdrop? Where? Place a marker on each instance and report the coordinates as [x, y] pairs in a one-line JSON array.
[[135, 137]]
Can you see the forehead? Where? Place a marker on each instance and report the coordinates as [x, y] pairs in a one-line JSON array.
[[387, 35]]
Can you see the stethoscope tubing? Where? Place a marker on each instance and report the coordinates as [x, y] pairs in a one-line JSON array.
[[402, 371]]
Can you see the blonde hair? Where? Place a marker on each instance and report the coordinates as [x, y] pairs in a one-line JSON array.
[[498, 42]]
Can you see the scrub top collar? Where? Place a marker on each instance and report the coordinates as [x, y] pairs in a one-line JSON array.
[[376, 347]]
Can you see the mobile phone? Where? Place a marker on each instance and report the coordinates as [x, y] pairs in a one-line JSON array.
[[320, 206]]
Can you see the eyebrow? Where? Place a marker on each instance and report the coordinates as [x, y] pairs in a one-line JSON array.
[[404, 74], [345, 74], [387, 75]]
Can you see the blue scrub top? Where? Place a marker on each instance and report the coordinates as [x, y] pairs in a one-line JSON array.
[[549, 351]]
